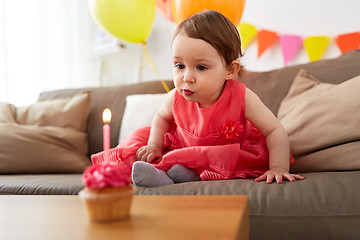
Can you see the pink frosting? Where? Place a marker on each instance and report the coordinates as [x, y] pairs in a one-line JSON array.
[[107, 174]]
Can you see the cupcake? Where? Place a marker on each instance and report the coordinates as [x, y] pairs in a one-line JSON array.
[[107, 193]]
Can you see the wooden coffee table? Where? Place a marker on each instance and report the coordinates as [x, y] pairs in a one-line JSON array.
[[152, 217]]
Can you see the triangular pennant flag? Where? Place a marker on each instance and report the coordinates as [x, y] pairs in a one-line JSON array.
[[247, 33], [316, 46], [290, 45], [347, 42], [265, 39]]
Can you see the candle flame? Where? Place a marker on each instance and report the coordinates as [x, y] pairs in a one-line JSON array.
[[106, 115]]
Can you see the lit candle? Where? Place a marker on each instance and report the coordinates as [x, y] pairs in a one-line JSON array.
[[106, 128]]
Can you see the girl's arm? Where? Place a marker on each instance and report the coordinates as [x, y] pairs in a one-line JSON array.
[[276, 139], [160, 125]]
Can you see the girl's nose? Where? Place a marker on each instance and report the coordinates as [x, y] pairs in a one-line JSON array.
[[189, 77]]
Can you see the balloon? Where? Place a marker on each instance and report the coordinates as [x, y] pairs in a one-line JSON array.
[[164, 7], [128, 20], [232, 9]]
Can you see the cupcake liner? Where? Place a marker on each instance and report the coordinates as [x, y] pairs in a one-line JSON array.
[[110, 205]]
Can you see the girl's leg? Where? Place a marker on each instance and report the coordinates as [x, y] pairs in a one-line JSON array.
[[178, 173], [145, 174]]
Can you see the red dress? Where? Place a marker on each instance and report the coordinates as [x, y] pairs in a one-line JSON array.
[[215, 142]]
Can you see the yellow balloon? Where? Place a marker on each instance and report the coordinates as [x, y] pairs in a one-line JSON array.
[[128, 20]]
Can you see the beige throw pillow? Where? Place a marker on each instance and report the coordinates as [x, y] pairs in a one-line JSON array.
[[7, 112], [338, 158], [46, 137], [305, 87], [67, 112], [320, 116]]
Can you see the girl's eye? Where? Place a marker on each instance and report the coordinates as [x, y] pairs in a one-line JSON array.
[[179, 66], [201, 67]]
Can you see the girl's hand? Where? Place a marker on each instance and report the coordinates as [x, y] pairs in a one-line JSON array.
[[278, 174], [148, 154]]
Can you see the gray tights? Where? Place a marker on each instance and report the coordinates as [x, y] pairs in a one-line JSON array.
[[145, 174]]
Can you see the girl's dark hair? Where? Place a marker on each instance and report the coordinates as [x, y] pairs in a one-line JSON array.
[[215, 29]]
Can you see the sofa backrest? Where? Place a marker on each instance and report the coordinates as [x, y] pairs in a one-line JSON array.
[[107, 97], [271, 87]]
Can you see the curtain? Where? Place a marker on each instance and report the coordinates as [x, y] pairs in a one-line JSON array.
[[44, 45]]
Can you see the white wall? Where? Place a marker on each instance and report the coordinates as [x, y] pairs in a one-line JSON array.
[[306, 18], [44, 45]]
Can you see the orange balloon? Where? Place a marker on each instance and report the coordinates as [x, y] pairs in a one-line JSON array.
[[232, 9]]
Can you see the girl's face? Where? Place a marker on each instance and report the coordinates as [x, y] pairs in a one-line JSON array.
[[199, 70]]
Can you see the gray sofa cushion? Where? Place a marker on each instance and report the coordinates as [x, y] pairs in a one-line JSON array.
[[40, 184], [323, 206]]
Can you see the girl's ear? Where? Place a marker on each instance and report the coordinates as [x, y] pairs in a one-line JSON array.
[[233, 69]]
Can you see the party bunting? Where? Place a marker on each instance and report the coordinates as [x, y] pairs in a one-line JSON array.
[[290, 45], [315, 46], [347, 42], [265, 39], [248, 33]]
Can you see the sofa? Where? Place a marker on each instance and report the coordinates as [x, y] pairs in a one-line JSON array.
[[45, 147]]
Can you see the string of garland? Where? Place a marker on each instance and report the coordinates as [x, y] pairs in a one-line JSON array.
[[315, 46]]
